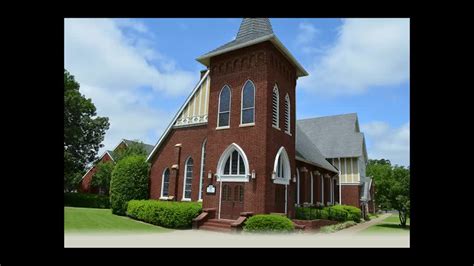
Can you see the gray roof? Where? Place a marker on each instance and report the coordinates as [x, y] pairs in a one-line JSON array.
[[250, 29], [306, 150], [148, 148], [336, 136]]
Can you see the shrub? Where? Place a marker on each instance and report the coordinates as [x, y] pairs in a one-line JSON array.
[[336, 214], [305, 213], [129, 182], [337, 227], [268, 223], [86, 200], [164, 213], [353, 213]]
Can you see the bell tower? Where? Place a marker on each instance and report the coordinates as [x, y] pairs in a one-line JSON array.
[[251, 122]]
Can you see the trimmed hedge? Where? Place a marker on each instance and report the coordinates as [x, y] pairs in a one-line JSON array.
[[339, 213], [129, 182], [168, 214], [268, 223], [86, 200]]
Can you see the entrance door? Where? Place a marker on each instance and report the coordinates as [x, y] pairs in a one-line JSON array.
[[232, 201], [280, 198]]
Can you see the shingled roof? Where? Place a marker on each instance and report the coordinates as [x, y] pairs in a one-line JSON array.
[[335, 136], [306, 150], [253, 31]]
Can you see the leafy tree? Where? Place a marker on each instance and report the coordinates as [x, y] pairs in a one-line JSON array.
[[134, 148], [392, 187], [83, 132], [102, 176]]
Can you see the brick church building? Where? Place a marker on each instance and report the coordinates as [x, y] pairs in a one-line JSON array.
[[235, 143]]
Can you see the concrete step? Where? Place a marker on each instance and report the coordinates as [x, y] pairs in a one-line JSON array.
[[215, 224]]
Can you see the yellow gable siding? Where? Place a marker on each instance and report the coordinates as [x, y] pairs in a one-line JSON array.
[[195, 112]]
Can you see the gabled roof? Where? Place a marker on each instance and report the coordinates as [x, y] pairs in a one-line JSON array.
[[307, 151], [173, 121], [253, 31], [336, 136]]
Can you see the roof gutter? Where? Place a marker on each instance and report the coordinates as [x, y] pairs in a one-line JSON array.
[[315, 164]]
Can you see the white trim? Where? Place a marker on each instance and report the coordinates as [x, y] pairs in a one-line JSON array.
[[219, 106], [340, 183], [312, 186], [220, 199], [313, 163], [184, 179], [287, 167], [351, 184], [286, 199], [247, 125], [345, 169], [173, 121], [275, 89], [352, 170], [221, 128], [163, 182], [297, 186], [201, 174], [242, 103], [358, 169], [164, 198], [221, 163], [205, 59]]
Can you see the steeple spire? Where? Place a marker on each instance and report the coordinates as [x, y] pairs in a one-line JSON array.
[[252, 28]]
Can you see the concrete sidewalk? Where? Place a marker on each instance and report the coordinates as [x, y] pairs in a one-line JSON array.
[[359, 227]]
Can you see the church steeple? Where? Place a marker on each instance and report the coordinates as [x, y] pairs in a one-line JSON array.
[[253, 31]]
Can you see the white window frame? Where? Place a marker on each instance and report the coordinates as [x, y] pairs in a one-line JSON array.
[[163, 182], [288, 118], [184, 180], [201, 174], [219, 107], [221, 164], [248, 108], [285, 179], [275, 89]]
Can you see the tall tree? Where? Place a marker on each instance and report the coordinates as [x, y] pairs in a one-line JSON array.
[[102, 176], [83, 132], [392, 187]]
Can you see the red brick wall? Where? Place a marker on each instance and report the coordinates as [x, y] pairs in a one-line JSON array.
[[305, 189], [351, 195], [85, 185], [191, 139]]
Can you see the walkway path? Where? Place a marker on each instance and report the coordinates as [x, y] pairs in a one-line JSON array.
[[362, 226]]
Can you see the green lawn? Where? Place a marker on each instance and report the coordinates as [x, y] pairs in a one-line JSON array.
[[390, 225], [83, 220]]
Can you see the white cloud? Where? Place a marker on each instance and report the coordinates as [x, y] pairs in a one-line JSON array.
[[387, 142], [306, 33], [125, 76], [367, 53]]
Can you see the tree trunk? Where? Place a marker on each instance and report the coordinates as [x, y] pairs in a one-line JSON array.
[[402, 215]]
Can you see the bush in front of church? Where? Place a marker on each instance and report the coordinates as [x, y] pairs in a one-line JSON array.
[[169, 214], [268, 223], [129, 181], [353, 213]]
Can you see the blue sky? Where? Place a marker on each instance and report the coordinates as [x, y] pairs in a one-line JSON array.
[[138, 72]]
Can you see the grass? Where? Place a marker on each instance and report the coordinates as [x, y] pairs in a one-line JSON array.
[[90, 220], [390, 225]]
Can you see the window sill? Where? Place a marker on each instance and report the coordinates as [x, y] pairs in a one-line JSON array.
[[200, 200], [221, 128], [185, 199], [276, 127], [247, 125], [164, 198], [288, 133]]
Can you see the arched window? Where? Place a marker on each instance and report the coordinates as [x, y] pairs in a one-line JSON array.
[[248, 103], [275, 107], [287, 114], [223, 119], [281, 167], [233, 165], [188, 179], [165, 183], [203, 163]]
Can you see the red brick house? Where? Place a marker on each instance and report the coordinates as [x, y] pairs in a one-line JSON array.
[[235, 144], [85, 183]]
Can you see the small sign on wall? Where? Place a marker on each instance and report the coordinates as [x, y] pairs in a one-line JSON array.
[[211, 189]]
